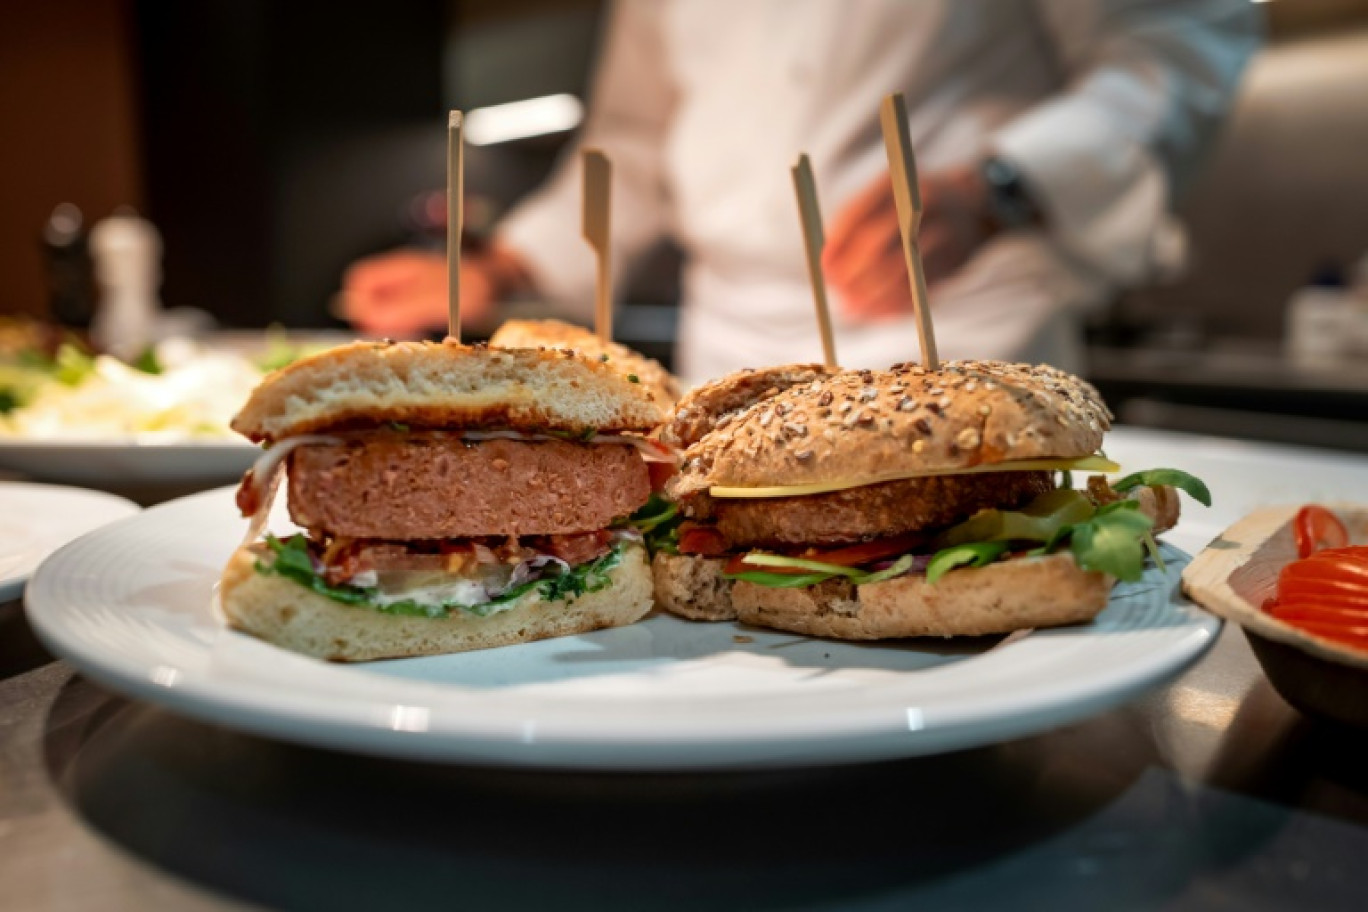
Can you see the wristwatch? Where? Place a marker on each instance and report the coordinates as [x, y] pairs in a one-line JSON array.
[[1010, 202]]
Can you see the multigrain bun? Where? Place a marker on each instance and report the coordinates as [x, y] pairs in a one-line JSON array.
[[557, 334], [287, 614], [860, 427], [1011, 595], [445, 385], [714, 405]]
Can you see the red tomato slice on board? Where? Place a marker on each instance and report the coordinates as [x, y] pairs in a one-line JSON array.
[[1326, 592], [1315, 528]]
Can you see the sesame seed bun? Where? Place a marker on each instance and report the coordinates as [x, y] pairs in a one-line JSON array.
[[837, 427], [557, 334], [714, 405], [445, 385], [1011, 595]]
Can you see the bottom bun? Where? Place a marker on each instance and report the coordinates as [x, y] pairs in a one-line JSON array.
[[282, 612], [1002, 597]]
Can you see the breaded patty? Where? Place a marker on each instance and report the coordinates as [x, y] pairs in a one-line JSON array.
[[432, 485], [857, 514]]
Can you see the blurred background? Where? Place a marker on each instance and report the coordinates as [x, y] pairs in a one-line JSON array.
[[272, 144]]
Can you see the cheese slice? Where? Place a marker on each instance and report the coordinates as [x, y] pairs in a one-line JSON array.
[[1095, 463]]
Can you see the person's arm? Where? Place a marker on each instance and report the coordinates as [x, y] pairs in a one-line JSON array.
[[1149, 83], [630, 107]]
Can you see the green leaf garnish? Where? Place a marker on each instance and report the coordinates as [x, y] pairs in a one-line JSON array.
[[633, 378], [292, 560], [147, 362], [1110, 542], [780, 580], [658, 522], [972, 554], [1193, 486], [1040, 520]]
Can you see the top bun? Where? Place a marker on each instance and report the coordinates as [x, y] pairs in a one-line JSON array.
[[713, 405], [445, 385], [856, 424], [556, 334]]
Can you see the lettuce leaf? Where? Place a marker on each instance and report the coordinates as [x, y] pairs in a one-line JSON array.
[[1191, 485], [293, 561]]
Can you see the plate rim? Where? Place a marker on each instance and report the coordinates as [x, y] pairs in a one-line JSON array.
[[11, 587]]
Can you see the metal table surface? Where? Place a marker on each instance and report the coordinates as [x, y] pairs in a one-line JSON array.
[[1209, 793]]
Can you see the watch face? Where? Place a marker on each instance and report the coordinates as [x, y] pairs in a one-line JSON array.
[[1011, 202]]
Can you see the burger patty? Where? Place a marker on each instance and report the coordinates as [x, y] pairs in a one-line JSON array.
[[870, 511], [431, 486]]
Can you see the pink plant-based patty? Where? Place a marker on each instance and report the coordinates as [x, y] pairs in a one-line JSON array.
[[433, 485]]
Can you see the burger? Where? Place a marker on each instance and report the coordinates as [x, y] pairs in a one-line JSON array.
[[447, 497], [637, 368], [902, 502]]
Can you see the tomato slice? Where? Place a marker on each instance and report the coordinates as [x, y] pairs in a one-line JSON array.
[[845, 556], [1352, 635], [1326, 592], [1315, 528], [1319, 611], [659, 473], [699, 539]]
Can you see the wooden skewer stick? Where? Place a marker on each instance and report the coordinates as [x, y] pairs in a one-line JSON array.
[[902, 167], [455, 219], [598, 194], [814, 239]]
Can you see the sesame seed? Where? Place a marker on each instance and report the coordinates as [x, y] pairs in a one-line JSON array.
[[968, 438], [866, 417], [825, 398], [843, 407], [766, 417], [907, 404], [945, 402], [795, 430], [922, 425], [985, 410], [869, 394], [918, 446], [803, 455]]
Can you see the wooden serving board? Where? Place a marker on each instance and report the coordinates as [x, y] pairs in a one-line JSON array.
[[1238, 572]]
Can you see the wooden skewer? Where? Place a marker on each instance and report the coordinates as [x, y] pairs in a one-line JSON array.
[[902, 167], [598, 191], [455, 219], [814, 239]]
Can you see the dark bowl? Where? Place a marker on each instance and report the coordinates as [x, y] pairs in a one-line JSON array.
[[1316, 686]]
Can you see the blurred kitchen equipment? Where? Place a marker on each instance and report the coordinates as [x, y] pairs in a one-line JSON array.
[[127, 253], [70, 275]]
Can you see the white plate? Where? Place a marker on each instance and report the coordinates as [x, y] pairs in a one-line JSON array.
[[131, 606], [36, 520], [130, 463]]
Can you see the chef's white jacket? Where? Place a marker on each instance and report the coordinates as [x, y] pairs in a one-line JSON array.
[[705, 104]]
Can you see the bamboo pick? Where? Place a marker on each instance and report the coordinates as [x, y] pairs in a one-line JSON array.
[[902, 167], [810, 214], [598, 187], [455, 219]]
